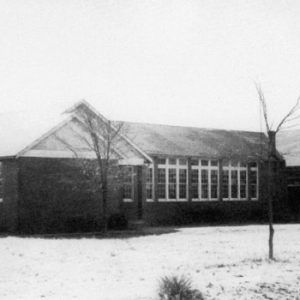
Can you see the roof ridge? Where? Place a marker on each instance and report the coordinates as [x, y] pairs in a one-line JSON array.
[[191, 127]]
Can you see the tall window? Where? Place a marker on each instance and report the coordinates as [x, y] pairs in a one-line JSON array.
[[172, 179], [182, 183], [204, 179], [195, 183], [161, 183], [234, 181], [127, 184], [172, 183], [149, 183]]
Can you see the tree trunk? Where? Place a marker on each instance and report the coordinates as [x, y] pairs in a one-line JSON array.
[[270, 203], [104, 206]]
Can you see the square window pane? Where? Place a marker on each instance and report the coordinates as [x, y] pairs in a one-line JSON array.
[[172, 161], [161, 161], [204, 162], [182, 161], [195, 162], [214, 163]]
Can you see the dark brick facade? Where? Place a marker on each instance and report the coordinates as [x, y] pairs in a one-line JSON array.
[[53, 195]]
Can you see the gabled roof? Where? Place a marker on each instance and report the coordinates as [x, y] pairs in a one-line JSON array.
[[20, 135], [158, 140], [288, 143]]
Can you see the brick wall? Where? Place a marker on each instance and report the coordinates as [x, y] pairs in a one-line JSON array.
[[56, 196], [9, 206]]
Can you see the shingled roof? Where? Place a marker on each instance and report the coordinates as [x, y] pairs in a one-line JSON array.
[[157, 139], [145, 139]]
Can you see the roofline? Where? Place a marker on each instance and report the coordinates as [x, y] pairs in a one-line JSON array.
[[45, 135], [95, 111]]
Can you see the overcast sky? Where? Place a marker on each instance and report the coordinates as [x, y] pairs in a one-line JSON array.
[[188, 62]]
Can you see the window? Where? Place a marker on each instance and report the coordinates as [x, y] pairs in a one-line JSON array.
[[225, 184], [182, 183], [149, 183], [234, 184], [172, 180], [204, 184], [195, 183], [214, 184], [161, 183], [243, 184], [234, 181], [207, 176], [1, 183], [172, 183], [127, 184]]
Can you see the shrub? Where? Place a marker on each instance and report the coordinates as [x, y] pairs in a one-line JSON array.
[[117, 222], [178, 288]]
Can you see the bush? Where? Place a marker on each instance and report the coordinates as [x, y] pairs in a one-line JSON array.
[[117, 222], [174, 288]]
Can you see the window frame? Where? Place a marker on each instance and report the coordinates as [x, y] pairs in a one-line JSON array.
[[178, 166], [238, 167], [129, 200], [209, 167]]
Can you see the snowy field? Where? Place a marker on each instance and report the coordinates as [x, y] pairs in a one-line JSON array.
[[223, 263]]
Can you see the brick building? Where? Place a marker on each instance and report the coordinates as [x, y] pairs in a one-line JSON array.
[[175, 175]]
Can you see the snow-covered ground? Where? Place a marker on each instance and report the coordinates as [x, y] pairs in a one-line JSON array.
[[223, 263]]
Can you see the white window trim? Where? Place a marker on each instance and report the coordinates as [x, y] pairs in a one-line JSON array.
[[237, 168], [209, 167], [177, 167]]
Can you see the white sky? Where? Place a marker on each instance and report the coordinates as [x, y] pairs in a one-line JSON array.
[[188, 62]]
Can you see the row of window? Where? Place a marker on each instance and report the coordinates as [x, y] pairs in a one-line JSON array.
[[172, 182]]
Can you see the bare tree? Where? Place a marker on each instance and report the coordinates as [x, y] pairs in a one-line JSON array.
[[272, 153], [99, 138]]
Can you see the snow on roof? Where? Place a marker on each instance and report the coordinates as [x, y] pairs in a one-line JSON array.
[[19, 130]]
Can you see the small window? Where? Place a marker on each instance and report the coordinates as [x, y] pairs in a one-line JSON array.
[[195, 162], [172, 161], [161, 161], [182, 161], [204, 162], [214, 163]]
